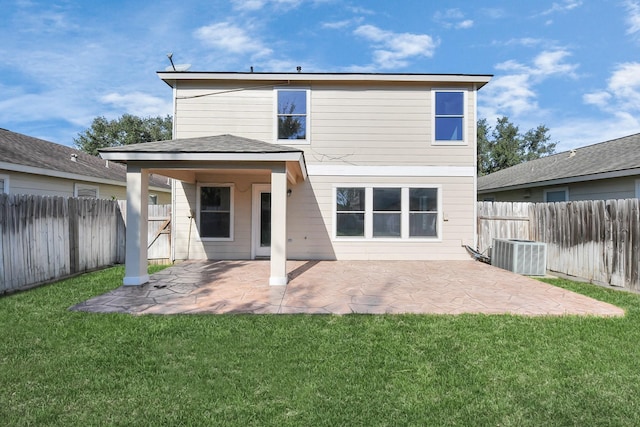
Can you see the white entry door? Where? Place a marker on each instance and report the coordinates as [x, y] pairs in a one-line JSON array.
[[261, 221]]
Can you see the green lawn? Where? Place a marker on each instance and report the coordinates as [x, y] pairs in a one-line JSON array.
[[66, 368]]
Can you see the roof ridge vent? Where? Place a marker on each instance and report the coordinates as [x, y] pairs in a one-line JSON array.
[[572, 153], [74, 157]]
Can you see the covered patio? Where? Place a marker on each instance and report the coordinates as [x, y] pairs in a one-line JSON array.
[[344, 287], [201, 159]]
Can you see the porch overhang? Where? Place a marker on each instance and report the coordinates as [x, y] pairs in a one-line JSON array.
[[184, 160]]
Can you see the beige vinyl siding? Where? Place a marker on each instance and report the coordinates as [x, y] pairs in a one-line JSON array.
[[604, 189], [42, 185], [203, 110], [355, 124], [191, 246], [312, 214], [615, 188], [365, 124]]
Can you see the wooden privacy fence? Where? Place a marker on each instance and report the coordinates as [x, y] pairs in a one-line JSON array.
[[48, 238], [594, 239], [44, 238]]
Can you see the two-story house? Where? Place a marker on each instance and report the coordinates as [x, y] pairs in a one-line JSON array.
[[312, 166]]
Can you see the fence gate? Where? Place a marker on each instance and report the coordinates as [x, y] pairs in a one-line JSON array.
[[159, 231], [159, 237]]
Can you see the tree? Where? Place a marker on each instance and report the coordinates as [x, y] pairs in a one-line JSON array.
[[289, 126], [128, 129], [504, 146]]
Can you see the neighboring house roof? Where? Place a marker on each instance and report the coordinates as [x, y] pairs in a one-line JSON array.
[[22, 153], [610, 159], [170, 77], [227, 148]]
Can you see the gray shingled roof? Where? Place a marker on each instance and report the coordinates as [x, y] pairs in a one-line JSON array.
[[617, 155], [204, 144], [19, 149]]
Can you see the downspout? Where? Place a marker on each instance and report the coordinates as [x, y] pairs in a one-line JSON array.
[[475, 166]]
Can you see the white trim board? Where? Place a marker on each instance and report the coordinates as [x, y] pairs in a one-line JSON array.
[[411, 171]]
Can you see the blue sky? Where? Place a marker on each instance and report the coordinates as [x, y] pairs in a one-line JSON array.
[[569, 64]]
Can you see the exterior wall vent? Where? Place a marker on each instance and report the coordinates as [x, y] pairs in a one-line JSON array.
[[520, 256]]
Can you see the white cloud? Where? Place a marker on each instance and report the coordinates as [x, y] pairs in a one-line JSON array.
[[493, 13], [138, 103], [393, 50], [509, 95], [452, 18], [254, 5], [579, 131], [545, 64], [512, 94], [599, 99], [551, 62], [565, 6], [524, 41], [231, 38], [620, 99], [633, 20], [623, 91], [337, 25]]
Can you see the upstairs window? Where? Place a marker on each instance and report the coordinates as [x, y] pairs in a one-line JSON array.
[[449, 117], [292, 115]]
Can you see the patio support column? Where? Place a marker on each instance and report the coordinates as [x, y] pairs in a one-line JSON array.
[[136, 234], [278, 225]]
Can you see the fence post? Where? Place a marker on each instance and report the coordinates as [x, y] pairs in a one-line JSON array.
[[74, 243]]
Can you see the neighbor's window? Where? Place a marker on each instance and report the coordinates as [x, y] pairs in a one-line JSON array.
[[216, 213], [292, 117], [560, 195], [4, 184], [84, 190], [449, 117], [350, 211], [153, 199], [387, 212]]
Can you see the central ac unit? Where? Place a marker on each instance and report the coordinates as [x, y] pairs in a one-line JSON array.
[[520, 256]]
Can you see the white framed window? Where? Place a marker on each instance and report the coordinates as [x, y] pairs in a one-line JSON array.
[[86, 190], [449, 117], [215, 211], [4, 184], [387, 212], [556, 195], [292, 118]]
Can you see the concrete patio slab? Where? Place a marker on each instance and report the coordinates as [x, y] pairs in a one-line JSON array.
[[344, 287]]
